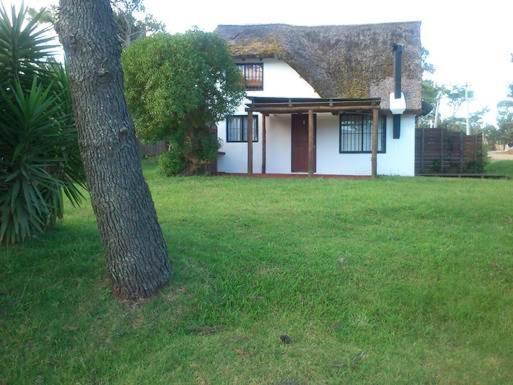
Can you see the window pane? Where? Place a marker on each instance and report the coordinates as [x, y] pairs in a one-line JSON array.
[[382, 132], [236, 128], [244, 129], [356, 133], [367, 132], [253, 75], [255, 128], [350, 133]]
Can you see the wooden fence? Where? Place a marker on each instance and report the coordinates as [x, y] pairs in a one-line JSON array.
[[440, 151], [152, 149], [155, 149]]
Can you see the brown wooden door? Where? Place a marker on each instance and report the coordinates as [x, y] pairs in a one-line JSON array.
[[299, 139]]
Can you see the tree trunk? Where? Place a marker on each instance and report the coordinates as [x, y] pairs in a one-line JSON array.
[[135, 248]]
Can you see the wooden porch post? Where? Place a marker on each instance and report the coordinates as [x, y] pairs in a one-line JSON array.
[[264, 141], [374, 143], [250, 142], [310, 143]]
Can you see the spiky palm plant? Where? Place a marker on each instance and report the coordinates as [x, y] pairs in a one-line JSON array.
[[39, 157], [25, 47]]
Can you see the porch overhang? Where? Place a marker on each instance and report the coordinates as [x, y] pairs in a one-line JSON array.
[[310, 106], [272, 105]]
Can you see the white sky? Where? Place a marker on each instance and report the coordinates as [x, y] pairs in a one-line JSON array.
[[469, 41]]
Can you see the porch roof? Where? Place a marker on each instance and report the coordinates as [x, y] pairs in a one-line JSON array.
[[276, 105]]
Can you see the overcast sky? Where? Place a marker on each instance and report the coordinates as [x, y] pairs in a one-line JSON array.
[[469, 41]]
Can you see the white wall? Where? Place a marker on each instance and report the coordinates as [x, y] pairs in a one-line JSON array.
[[235, 158], [399, 158], [279, 146], [280, 80]]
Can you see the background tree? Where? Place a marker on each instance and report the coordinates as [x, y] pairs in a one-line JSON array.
[[457, 95], [132, 20], [476, 122], [432, 94], [427, 66], [130, 27], [189, 82], [44, 15], [490, 133], [39, 157], [135, 248], [505, 118]]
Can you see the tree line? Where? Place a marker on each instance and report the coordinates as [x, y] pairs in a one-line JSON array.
[[433, 95]]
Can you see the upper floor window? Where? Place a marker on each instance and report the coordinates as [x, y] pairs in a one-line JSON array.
[[253, 74], [237, 128], [355, 133]]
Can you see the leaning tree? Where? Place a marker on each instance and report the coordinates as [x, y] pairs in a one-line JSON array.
[[135, 248]]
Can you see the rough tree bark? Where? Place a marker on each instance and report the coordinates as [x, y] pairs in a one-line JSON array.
[[135, 248]]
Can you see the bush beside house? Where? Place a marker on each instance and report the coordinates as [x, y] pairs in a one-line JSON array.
[[176, 87]]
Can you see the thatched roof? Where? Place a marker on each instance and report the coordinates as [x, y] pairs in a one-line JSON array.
[[346, 61]]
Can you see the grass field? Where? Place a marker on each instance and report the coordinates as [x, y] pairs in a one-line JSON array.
[[502, 167], [389, 281]]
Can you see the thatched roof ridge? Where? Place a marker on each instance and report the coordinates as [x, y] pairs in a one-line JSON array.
[[346, 61]]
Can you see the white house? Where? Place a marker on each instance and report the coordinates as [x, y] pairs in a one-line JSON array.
[[330, 100]]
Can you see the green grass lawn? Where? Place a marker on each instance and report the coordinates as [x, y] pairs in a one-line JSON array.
[[502, 167], [389, 281]]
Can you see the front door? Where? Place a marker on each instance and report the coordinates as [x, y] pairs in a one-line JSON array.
[[299, 139]]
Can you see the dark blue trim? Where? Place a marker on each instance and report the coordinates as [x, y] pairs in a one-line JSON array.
[[397, 127], [244, 122]]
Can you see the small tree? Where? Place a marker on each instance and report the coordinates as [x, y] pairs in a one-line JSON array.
[[177, 87]]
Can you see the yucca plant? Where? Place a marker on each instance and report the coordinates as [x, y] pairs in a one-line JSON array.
[[25, 47], [37, 163], [39, 157]]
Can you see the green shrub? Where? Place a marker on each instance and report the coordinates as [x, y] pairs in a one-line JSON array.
[[191, 155], [37, 164], [39, 157], [176, 86], [172, 162]]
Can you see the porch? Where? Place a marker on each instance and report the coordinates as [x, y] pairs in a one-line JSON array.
[[301, 115]]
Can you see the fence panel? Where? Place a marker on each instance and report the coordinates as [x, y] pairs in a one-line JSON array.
[[152, 149], [440, 151]]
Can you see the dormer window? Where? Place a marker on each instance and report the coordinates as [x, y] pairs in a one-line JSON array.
[[253, 74]]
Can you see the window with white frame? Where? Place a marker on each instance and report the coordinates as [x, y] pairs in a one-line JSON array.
[[237, 128], [355, 133]]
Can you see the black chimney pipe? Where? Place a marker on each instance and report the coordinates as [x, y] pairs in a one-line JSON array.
[[398, 51]]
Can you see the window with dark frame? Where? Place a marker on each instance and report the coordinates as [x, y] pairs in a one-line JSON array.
[[237, 128], [355, 134], [253, 74]]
